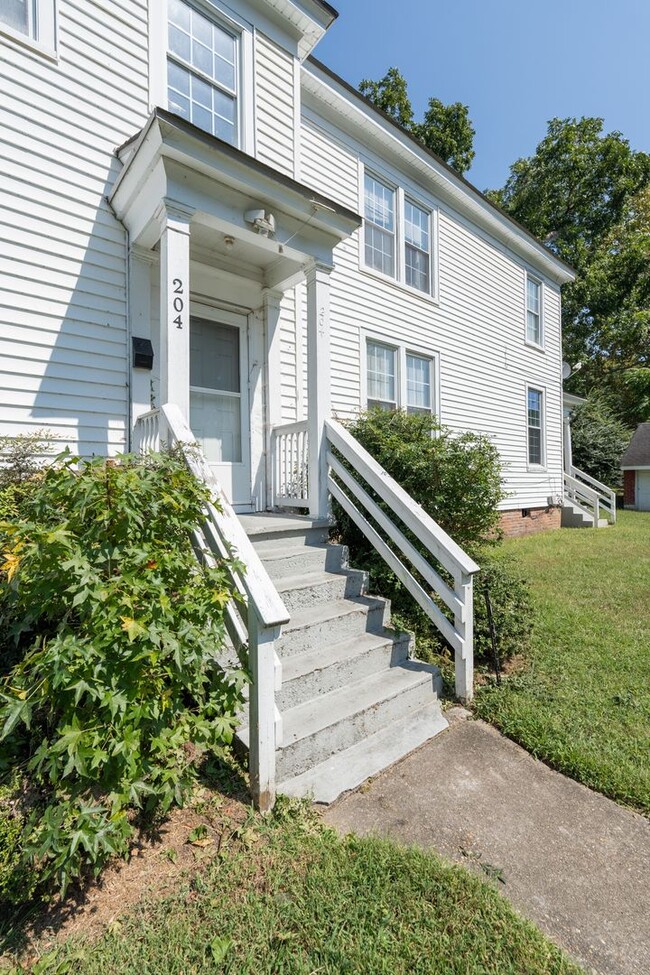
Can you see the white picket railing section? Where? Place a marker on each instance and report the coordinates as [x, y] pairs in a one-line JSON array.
[[290, 463], [256, 624], [457, 626], [606, 497]]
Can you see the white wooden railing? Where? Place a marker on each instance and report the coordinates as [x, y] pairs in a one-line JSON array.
[[457, 624], [290, 464], [606, 497], [255, 625]]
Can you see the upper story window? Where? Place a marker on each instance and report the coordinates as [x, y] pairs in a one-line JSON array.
[[397, 234], [30, 20], [535, 427], [203, 71], [533, 311], [397, 378], [379, 228]]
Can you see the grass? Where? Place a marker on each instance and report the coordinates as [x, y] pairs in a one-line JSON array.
[[582, 701], [292, 898]]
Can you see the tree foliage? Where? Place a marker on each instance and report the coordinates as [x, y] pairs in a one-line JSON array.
[[599, 440], [585, 193], [109, 634], [445, 129]]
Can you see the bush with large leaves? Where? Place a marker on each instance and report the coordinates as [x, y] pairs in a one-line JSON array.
[[457, 479], [109, 633]]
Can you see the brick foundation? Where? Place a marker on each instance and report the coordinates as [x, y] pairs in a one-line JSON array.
[[629, 486], [529, 521]]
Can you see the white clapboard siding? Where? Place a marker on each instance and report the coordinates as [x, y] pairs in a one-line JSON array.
[[63, 338], [477, 328], [274, 105]]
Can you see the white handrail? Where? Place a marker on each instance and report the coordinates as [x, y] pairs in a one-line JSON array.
[[607, 496], [583, 496], [255, 629], [352, 496], [290, 465]]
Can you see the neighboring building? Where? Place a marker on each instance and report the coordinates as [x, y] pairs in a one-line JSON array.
[[252, 190], [635, 464]]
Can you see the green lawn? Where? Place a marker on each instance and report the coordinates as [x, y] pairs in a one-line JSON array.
[[295, 899], [582, 702]]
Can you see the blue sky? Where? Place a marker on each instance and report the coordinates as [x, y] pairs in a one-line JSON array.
[[516, 63]]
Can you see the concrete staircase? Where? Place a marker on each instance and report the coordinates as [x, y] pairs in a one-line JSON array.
[[353, 699], [573, 516]]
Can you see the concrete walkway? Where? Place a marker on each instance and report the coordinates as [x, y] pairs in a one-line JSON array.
[[572, 861]]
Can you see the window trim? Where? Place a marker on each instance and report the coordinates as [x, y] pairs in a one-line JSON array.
[[45, 41], [402, 349], [529, 341], [402, 194], [159, 49], [541, 389]]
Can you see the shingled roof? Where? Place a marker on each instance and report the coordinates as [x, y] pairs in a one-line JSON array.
[[638, 453]]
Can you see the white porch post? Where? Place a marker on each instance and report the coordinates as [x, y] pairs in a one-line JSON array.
[[318, 383], [174, 222], [568, 452], [271, 300]]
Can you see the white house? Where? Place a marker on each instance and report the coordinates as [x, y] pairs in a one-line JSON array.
[[199, 215]]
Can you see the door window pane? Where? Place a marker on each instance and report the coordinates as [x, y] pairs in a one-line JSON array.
[[381, 375], [215, 390]]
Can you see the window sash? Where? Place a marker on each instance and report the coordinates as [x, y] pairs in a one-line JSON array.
[[533, 311], [379, 225], [535, 421], [381, 374], [418, 384], [397, 378], [199, 88]]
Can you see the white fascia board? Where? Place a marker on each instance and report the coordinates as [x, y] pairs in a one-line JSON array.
[[308, 19], [341, 109]]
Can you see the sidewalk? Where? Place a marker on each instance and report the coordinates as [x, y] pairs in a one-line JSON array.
[[569, 859]]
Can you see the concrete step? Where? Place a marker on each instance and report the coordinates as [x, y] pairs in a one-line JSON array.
[[266, 529], [306, 676], [314, 731], [314, 627], [281, 562], [317, 588], [351, 767], [572, 516]]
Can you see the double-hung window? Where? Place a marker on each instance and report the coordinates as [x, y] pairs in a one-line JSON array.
[[31, 20], [397, 235], [379, 232], [533, 311], [535, 420], [397, 378], [203, 71]]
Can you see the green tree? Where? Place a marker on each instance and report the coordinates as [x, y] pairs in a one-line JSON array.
[[584, 193], [445, 129], [598, 439]]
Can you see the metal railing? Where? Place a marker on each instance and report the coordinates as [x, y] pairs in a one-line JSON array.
[[255, 623], [400, 554], [290, 464], [606, 497]]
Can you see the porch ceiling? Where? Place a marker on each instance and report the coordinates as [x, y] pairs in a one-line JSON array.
[[172, 163]]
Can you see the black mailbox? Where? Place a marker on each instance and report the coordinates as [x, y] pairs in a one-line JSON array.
[[142, 353]]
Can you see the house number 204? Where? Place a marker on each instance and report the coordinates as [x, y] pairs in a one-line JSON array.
[[178, 304]]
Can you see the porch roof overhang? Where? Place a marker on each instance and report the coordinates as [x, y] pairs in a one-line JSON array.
[[171, 163]]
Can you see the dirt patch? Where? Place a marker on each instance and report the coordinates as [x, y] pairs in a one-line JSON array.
[[181, 847]]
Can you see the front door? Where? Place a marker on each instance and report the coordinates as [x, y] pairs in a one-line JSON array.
[[219, 407]]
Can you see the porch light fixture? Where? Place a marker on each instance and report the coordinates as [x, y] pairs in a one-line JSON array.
[[263, 222], [142, 353]]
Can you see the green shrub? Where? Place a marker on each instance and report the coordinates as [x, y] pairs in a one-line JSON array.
[[113, 696], [17, 879], [599, 440], [457, 480], [21, 459]]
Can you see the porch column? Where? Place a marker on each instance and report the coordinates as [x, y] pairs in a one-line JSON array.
[[318, 383], [174, 220], [271, 306], [568, 452]]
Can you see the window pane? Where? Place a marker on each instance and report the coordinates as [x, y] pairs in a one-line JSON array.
[[535, 440], [533, 296], [533, 330], [418, 384], [16, 14], [417, 269], [179, 43], [379, 204], [380, 250], [179, 14], [215, 421], [381, 361]]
